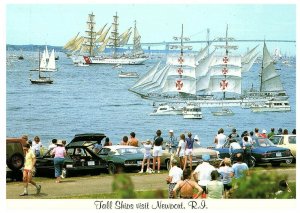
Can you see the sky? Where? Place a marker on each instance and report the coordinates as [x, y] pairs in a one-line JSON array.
[[55, 24]]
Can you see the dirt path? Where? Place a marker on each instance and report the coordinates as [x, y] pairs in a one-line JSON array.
[[99, 184]]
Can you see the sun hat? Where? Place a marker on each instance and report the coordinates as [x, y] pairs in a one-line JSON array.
[[264, 131], [59, 142], [196, 137], [148, 141], [174, 161], [205, 157], [171, 130]]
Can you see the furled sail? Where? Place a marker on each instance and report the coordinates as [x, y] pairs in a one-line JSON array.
[[185, 60], [201, 54], [147, 77]]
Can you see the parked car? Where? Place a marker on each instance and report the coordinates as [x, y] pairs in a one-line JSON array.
[[287, 141], [121, 158], [198, 151], [263, 151], [14, 158], [80, 158]]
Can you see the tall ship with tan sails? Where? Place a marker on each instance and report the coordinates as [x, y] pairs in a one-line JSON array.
[[90, 49]]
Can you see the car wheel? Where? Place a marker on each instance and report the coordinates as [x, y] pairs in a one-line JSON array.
[[64, 173], [251, 163], [112, 168], [289, 161], [168, 164], [16, 162], [275, 164]]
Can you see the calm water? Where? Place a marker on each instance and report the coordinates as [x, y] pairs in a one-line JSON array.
[[94, 99]]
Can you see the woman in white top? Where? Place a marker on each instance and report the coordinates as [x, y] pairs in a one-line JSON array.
[[181, 151]]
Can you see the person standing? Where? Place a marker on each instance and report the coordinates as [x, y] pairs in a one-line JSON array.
[[181, 151], [220, 139], [203, 171], [189, 150], [157, 150], [271, 134], [147, 156], [173, 143], [175, 175], [227, 173], [59, 153], [37, 146], [133, 141], [240, 168], [124, 141], [29, 164], [107, 142], [53, 144], [264, 134]]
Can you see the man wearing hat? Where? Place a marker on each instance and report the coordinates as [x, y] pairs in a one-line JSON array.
[[175, 175], [173, 143], [28, 169], [203, 171]]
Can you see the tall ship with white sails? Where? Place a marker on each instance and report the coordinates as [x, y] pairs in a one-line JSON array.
[[210, 79], [90, 49]]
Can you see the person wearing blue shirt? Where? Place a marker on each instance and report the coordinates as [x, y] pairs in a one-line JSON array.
[[173, 143], [240, 168]]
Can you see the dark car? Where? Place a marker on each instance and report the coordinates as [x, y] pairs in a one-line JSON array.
[[263, 151], [80, 158], [120, 158], [14, 158]]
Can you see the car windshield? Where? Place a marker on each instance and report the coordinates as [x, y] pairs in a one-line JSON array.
[[277, 139], [125, 151], [262, 142]]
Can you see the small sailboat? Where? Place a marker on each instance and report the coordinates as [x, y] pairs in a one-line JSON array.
[[45, 66]]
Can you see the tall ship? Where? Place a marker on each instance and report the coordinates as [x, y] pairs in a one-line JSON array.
[[90, 49], [208, 79]]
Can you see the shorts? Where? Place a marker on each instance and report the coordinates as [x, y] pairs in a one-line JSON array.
[[157, 151], [181, 154], [147, 155], [189, 152]]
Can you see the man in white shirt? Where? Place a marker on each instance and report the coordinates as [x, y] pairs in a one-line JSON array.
[[220, 139], [175, 175], [202, 173], [53, 144]]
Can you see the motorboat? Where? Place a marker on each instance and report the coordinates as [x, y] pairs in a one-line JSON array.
[[165, 109], [192, 111], [81, 64], [272, 106], [223, 112], [128, 75]]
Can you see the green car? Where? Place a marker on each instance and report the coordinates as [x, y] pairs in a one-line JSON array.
[[120, 157]]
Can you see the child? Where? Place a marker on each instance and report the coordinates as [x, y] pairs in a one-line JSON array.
[[147, 155]]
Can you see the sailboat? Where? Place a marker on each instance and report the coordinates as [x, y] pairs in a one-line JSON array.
[[270, 87], [89, 49], [45, 66]]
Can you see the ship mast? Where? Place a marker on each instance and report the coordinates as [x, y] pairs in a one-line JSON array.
[[91, 34], [115, 35], [227, 48]]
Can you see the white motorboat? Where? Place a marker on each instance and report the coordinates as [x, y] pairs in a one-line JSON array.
[[272, 106], [128, 75], [117, 66], [192, 112], [81, 64], [165, 109], [223, 112]]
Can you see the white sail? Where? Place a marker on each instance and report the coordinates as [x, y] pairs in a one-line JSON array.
[[219, 84], [226, 71], [226, 60], [155, 81], [249, 55], [147, 77], [185, 60], [46, 54], [183, 85], [51, 64], [247, 66], [137, 48], [161, 82], [269, 76], [201, 54], [43, 63], [182, 72], [203, 66]]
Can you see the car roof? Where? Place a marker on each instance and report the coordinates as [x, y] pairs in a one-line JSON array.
[[16, 140], [115, 147], [86, 139]]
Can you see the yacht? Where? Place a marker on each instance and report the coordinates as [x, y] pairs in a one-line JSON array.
[[128, 74], [272, 106], [192, 112], [165, 109]]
